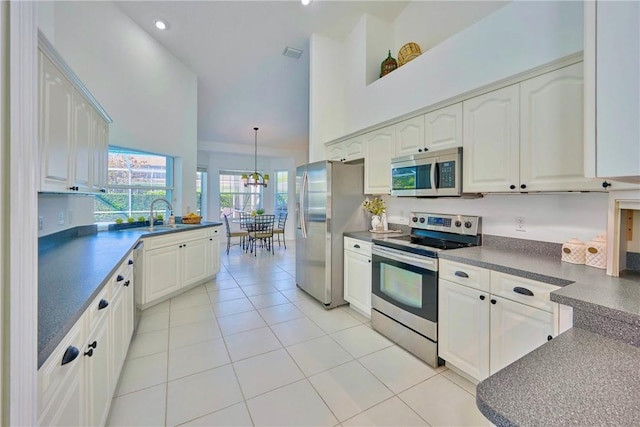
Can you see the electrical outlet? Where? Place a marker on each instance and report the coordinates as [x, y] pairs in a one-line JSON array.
[[40, 222], [61, 218], [521, 224]]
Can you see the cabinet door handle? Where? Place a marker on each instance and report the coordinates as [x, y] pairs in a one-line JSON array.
[[419, 150], [522, 291], [127, 283], [94, 344], [103, 304], [549, 337], [523, 186], [356, 246], [211, 240], [89, 353], [70, 355], [461, 274], [493, 301], [369, 261], [606, 184], [512, 187], [130, 262], [120, 278], [482, 297]]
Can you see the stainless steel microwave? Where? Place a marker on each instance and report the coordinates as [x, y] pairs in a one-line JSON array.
[[436, 173]]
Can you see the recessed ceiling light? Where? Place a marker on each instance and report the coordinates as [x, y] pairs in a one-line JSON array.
[[292, 52], [161, 25], [305, 2]]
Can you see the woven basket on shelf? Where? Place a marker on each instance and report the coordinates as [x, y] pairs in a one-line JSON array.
[[191, 219], [408, 52]]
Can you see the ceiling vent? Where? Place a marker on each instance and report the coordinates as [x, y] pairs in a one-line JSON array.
[[292, 53]]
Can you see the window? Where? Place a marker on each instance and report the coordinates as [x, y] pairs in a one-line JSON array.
[[135, 179], [282, 191], [235, 197], [201, 191]]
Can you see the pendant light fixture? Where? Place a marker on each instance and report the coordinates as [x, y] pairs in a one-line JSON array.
[[255, 178]]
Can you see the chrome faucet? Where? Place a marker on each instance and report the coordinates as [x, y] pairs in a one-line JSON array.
[[151, 218]]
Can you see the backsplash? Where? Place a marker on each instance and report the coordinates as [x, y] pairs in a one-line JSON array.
[[59, 212]]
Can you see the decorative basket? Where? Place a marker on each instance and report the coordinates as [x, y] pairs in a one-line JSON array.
[[573, 251], [596, 255], [408, 52], [191, 219], [388, 65]]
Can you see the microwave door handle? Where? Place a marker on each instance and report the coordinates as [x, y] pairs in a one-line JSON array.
[[434, 186], [436, 167]]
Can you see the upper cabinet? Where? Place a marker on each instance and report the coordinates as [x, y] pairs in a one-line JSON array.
[[443, 128], [379, 148], [73, 129], [612, 89], [527, 137], [409, 137], [346, 151]]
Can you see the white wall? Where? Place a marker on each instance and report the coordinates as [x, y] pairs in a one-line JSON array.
[[76, 210], [548, 217], [150, 94]]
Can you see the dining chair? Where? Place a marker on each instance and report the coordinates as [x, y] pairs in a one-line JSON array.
[[242, 234], [261, 230], [279, 229]]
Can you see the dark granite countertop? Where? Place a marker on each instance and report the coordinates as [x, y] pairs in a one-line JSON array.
[[579, 378], [72, 271]]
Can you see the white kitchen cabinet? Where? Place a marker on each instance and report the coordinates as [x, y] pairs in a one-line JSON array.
[[489, 319], [527, 137], [97, 353], [357, 274], [55, 127], [162, 272], [72, 131], [612, 89], [463, 328], [61, 385], [175, 261], [551, 132], [491, 153], [122, 319], [346, 151], [409, 137], [443, 128], [379, 149], [516, 329]]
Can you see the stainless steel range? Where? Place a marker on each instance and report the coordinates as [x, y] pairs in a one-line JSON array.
[[405, 279]]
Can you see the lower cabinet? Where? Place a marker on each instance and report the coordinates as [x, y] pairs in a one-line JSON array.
[[76, 383], [175, 261], [357, 274], [488, 321]]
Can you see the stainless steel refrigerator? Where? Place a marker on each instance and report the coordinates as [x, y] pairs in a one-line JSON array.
[[329, 198]]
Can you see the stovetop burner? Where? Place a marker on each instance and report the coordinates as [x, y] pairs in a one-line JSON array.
[[432, 233]]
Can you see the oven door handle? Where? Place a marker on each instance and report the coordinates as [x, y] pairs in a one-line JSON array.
[[423, 262]]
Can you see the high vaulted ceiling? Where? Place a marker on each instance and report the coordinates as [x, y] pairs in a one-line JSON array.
[[235, 49]]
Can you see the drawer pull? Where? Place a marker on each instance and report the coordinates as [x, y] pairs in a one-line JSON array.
[[103, 304], [94, 344], [356, 246], [493, 301], [522, 291], [70, 355], [482, 297], [120, 278], [130, 262], [127, 283], [461, 274], [89, 353], [549, 337]]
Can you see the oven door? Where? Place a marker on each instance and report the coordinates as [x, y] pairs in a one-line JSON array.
[[405, 287]]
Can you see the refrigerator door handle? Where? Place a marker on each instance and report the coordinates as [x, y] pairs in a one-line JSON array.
[[303, 193]]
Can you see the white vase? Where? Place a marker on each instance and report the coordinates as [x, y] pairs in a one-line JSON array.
[[385, 224], [376, 223]]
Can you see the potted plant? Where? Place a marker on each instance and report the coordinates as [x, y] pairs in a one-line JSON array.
[[376, 208], [141, 219], [119, 221], [259, 211]]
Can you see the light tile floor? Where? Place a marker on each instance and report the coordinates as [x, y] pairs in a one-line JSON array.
[[249, 348]]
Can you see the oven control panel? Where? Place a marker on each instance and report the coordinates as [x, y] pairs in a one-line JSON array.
[[459, 224]]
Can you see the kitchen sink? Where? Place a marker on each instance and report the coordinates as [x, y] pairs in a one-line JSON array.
[[166, 227]]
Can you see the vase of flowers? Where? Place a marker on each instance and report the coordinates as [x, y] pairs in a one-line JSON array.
[[376, 208]]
